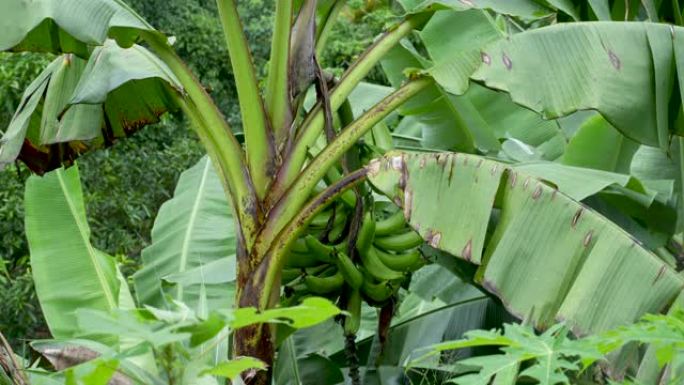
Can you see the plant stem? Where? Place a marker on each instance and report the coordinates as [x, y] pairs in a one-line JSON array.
[[262, 288], [313, 125], [277, 89], [274, 257], [216, 136], [287, 208], [325, 28], [258, 137]]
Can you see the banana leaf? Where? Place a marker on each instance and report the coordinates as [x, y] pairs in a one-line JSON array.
[[67, 26], [618, 58], [68, 272], [75, 105], [546, 256], [193, 245]]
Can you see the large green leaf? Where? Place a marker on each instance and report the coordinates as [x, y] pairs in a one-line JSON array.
[[193, 245], [548, 258], [480, 115], [529, 9], [623, 70], [68, 272], [75, 106], [67, 25], [598, 145]]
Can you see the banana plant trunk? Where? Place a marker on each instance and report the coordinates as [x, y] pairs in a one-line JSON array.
[[255, 340]]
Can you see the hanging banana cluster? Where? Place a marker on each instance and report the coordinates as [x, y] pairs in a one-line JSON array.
[[321, 263]]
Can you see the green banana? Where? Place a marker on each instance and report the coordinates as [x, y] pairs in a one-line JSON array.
[[352, 322], [334, 175], [376, 268], [290, 275], [378, 292], [406, 262], [324, 285], [352, 275], [299, 246], [321, 220], [302, 260], [324, 253], [366, 234], [391, 224], [337, 231], [399, 242]]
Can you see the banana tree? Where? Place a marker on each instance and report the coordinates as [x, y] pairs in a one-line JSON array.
[[117, 74]]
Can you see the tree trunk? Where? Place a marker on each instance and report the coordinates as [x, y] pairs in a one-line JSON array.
[[253, 340]]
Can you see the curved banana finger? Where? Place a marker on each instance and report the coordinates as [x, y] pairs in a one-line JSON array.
[[400, 242], [325, 253], [376, 268], [391, 224], [379, 292], [302, 260], [352, 275], [324, 285], [405, 262], [366, 233]]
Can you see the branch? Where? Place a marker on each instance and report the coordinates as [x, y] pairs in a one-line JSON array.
[[216, 136], [311, 128], [258, 137], [277, 92], [289, 205]]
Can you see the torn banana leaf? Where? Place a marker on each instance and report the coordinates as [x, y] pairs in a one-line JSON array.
[[623, 57], [68, 272], [545, 255], [75, 105], [67, 26]]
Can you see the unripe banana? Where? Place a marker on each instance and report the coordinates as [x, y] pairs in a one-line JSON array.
[[324, 285], [334, 175], [391, 224], [321, 220], [352, 275], [400, 242], [324, 269], [337, 231], [376, 268], [366, 234], [378, 292], [352, 323], [302, 260], [299, 246], [324, 253], [406, 262], [290, 275]]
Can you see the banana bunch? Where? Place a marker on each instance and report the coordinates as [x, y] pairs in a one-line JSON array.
[[321, 263]]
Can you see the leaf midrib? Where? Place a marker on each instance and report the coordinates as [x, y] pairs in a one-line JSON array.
[[185, 248], [86, 242]]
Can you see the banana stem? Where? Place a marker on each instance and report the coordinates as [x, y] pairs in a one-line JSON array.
[[277, 89], [352, 355], [274, 259], [258, 136], [312, 127], [216, 136]]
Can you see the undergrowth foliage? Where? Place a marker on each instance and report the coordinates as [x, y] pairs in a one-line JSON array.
[[555, 356]]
